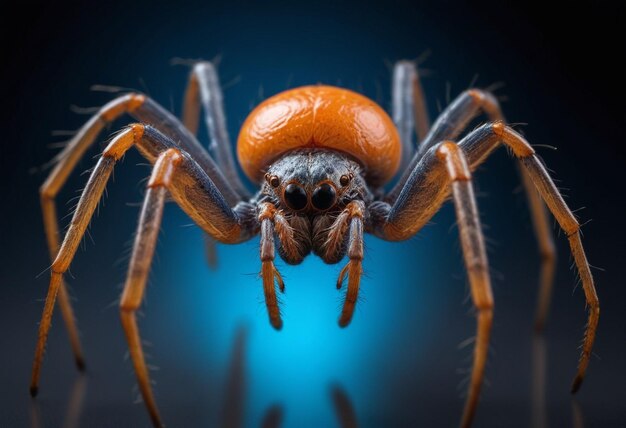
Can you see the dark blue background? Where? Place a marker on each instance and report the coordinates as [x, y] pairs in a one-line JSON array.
[[398, 362]]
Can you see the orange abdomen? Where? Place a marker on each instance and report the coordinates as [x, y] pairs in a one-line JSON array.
[[324, 117]]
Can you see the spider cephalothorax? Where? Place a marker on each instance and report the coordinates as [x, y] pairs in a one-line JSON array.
[[314, 181], [312, 187], [321, 156]]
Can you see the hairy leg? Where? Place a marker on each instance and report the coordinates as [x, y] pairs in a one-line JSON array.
[[52, 234], [448, 126], [171, 170], [139, 269], [479, 145], [203, 90], [145, 110], [408, 105], [272, 220], [425, 191], [444, 170], [208, 209], [82, 215], [349, 221], [66, 162], [475, 257], [142, 108]]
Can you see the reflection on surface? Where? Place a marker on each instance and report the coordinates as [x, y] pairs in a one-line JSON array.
[[35, 414], [75, 404], [235, 401], [343, 408], [577, 415], [273, 417], [233, 409], [236, 395], [538, 410], [236, 384], [538, 413]]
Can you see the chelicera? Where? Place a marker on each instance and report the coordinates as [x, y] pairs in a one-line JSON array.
[[321, 156]]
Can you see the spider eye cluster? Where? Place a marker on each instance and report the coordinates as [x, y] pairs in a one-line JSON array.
[[322, 198], [297, 196]]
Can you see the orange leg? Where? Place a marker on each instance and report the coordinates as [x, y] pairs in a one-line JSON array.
[[80, 221], [475, 258], [448, 126], [553, 199], [269, 273], [67, 160], [191, 188], [547, 250], [173, 172], [142, 108], [559, 209], [51, 227], [354, 268], [138, 106], [414, 208], [139, 269]]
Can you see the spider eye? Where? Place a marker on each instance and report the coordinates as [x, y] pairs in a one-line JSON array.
[[323, 197], [295, 197], [344, 180], [273, 180]]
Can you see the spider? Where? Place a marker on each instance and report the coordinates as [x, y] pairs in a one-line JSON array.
[[321, 156]]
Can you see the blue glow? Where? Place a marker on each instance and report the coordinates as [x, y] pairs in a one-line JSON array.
[[296, 366]]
